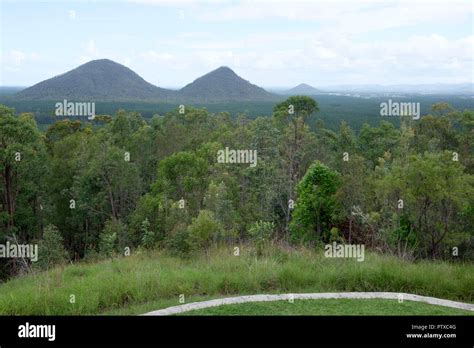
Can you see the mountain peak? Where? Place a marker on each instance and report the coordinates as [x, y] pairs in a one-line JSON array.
[[303, 88], [101, 61], [223, 84], [223, 70], [104, 64], [101, 79]]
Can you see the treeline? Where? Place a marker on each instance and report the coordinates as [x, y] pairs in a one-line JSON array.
[[333, 108], [83, 191]]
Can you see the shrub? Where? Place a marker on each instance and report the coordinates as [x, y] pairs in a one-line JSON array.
[[148, 239], [335, 236], [261, 232], [179, 241], [114, 237], [204, 229], [50, 249]]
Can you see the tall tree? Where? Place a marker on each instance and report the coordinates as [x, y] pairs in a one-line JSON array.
[[316, 207], [293, 114]]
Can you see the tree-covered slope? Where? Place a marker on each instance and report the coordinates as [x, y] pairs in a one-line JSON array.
[[96, 80], [223, 84]]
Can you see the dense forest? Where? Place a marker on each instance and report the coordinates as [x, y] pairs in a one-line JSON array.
[[86, 190], [333, 109]]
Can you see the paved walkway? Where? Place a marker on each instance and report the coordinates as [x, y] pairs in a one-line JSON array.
[[314, 296]]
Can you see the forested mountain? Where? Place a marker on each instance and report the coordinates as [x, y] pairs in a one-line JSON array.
[[105, 80], [97, 80], [223, 84]]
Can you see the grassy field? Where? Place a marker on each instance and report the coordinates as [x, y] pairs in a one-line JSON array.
[[148, 281], [331, 307]]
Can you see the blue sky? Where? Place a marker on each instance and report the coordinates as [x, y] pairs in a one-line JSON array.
[[270, 43]]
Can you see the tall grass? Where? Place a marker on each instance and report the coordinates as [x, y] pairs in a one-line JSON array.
[[149, 276]]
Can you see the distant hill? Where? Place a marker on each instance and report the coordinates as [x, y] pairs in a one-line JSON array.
[[438, 88], [7, 90], [102, 80], [105, 80], [302, 89], [108, 81], [223, 84]]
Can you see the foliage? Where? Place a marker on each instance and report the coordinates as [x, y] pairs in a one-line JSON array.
[[152, 280], [204, 229], [51, 250], [152, 180], [148, 236], [114, 238], [260, 233], [316, 205]]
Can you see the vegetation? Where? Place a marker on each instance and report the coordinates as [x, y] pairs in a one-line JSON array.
[[223, 84], [100, 79], [106, 80], [150, 280], [51, 249], [333, 108], [127, 185]]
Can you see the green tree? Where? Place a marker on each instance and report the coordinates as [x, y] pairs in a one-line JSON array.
[[148, 236], [51, 250], [293, 114], [316, 206], [204, 230], [183, 176], [435, 192], [22, 169], [374, 142], [261, 233]]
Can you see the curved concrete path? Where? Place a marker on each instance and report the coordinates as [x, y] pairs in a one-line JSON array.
[[314, 296]]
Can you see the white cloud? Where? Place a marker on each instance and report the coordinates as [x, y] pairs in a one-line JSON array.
[[281, 42], [153, 56], [16, 57], [337, 57], [357, 16]]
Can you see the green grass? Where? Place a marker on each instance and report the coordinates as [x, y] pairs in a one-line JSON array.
[[331, 307], [152, 280]]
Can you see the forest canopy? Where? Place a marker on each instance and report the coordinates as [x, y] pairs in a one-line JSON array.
[[84, 190]]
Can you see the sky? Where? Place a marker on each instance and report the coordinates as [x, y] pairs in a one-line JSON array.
[[270, 43]]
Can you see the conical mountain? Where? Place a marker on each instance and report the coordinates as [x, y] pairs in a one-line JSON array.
[[223, 84], [302, 89], [96, 80]]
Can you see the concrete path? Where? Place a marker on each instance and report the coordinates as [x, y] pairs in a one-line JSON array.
[[314, 296]]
